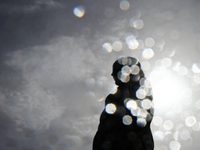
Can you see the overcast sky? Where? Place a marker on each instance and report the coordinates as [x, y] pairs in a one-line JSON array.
[[55, 68]]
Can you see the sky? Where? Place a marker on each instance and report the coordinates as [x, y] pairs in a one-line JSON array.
[[56, 61]]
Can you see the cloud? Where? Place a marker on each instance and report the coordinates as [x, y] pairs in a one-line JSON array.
[[45, 70], [63, 61], [32, 108], [27, 7]]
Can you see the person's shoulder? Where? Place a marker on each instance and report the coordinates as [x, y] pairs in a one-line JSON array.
[[110, 98]]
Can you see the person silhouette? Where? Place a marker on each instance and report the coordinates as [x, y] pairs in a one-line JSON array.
[[125, 121]]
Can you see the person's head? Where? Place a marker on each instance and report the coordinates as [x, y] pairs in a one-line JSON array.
[[127, 70]]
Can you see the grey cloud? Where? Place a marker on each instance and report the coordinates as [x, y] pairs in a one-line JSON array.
[[63, 61], [32, 108], [27, 6]]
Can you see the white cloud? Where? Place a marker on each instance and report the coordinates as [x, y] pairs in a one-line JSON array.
[[63, 61]]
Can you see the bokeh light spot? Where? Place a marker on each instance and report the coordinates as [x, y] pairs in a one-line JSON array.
[[131, 104], [124, 5], [146, 104], [168, 125], [185, 135], [148, 53], [138, 24], [127, 120], [141, 93], [107, 47], [182, 70], [110, 108], [142, 113], [196, 127], [196, 78], [126, 70], [132, 42], [145, 65], [175, 145], [157, 120], [123, 77], [166, 62], [79, 11], [190, 121], [198, 104], [158, 135], [196, 68], [141, 122], [149, 42], [117, 46], [135, 69], [141, 44]]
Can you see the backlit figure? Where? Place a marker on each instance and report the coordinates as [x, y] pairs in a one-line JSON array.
[[125, 121]]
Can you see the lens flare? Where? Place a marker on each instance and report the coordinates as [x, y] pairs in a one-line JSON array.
[[79, 11]]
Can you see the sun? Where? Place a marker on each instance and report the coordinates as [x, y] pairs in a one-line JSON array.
[[169, 91]]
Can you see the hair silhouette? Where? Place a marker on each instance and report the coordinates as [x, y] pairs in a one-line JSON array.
[[125, 121]]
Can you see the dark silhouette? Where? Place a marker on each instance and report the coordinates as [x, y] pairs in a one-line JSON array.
[[125, 121]]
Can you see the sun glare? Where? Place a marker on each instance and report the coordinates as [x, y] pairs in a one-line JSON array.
[[168, 91]]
